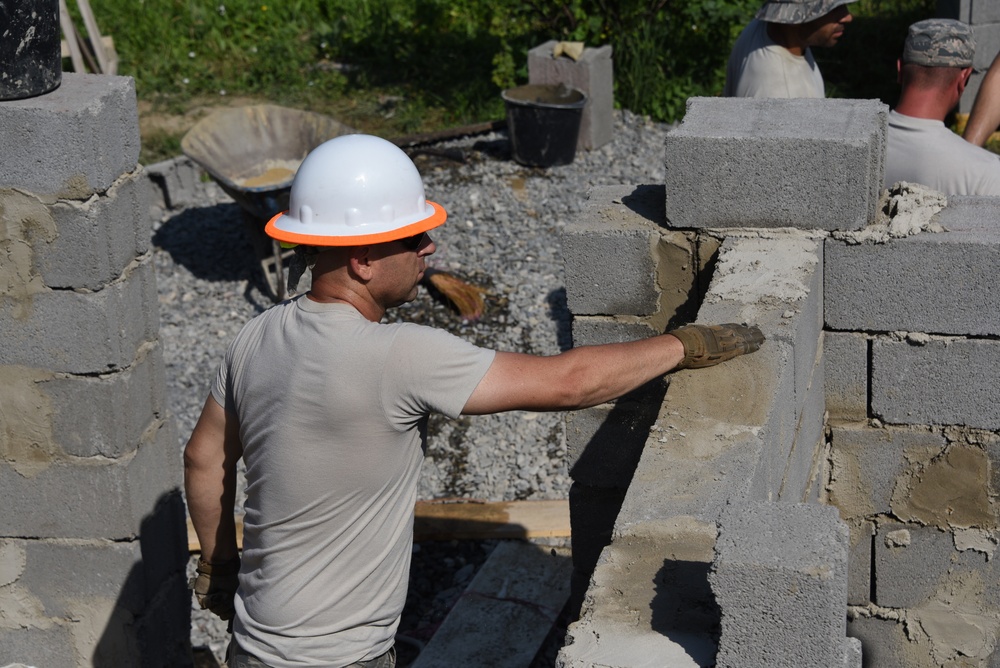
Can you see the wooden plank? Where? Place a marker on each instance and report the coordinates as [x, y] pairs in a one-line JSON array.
[[69, 32], [505, 614], [469, 520], [94, 33], [477, 521]]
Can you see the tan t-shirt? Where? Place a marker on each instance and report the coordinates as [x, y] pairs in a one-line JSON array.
[[924, 151], [333, 416], [760, 68]]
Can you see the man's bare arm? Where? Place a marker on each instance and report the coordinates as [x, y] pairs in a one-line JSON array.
[[210, 459], [985, 117], [591, 375]]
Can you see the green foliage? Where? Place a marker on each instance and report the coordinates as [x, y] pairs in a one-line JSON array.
[[412, 65]]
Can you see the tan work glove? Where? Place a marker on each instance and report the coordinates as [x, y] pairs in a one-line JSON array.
[[215, 586], [707, 345]]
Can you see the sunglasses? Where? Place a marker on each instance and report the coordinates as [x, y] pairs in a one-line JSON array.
[[413, 243]]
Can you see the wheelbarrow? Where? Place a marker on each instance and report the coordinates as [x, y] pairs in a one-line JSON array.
[[253, 153]]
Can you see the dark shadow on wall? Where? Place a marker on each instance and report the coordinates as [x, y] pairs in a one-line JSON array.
[[684, 608], [151, 623], [559, 312]]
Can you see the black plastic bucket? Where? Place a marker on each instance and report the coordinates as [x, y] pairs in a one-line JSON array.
[[543, 122], [30, 56]]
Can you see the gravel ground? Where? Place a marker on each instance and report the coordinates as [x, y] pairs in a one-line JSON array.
[[502, 234]]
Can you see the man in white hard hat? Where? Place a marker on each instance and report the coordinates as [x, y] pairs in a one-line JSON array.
[[933, 71], [328, 408], [772, 56]]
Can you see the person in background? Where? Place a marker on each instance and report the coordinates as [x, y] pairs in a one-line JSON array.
[[933, 71], [984, 119], [772, 56], [328, 408]]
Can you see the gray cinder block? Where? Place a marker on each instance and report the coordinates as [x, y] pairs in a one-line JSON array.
[[80, 244], [986, 32], [46, 645], [597, 330], [859, 566], [910, 561], [72, 142], [866, 464], [936, 283], [81, 332], [62, 497], [722, 160], [936, 382], [615, 253], [883, 642], [845, 360], [783, 562], [604, 443], [107, 415], [173, 183], [593, 74]]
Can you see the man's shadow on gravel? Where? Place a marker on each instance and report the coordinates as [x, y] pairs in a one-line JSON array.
[[213, 243]]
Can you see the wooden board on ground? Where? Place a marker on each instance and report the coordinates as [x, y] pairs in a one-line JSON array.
[[507, 611], [470, 520], [478, 521]]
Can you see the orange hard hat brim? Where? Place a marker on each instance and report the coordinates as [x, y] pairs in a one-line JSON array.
[[434, 220]]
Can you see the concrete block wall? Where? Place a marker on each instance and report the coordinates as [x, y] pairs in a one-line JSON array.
[[752, 429], [913, 435], [93, 544], [741, 452], [984, 17]]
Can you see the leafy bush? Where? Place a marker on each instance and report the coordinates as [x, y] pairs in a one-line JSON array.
[[411, 65]]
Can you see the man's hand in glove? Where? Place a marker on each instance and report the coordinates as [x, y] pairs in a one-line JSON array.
[[215, 586], [707, 345]]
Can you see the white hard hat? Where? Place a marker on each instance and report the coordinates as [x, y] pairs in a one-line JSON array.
[[355, 190]]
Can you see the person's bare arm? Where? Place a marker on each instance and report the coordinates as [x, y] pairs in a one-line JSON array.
[[210, 459], [592, 375], [985, 116]]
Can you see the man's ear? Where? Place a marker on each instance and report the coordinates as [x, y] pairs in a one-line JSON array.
[[360, 262], [963, 80], [899, 70]]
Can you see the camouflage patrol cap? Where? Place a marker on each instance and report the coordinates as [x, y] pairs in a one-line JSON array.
[[939, 43], [797, 11]]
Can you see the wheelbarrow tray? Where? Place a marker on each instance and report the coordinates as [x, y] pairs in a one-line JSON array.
[[253, 152]]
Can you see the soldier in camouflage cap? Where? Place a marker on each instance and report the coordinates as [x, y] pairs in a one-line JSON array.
[[773, 56], [939, 43], [933, 72], [797, 11]]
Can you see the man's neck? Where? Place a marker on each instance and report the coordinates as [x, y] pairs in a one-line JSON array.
[[921, 104], [786, 36]]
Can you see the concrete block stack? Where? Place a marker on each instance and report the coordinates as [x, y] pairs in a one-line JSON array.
[[984, 17], [783, 562], [93, 546], [914, 426], [626, 278], [749, 434], [593, 74]]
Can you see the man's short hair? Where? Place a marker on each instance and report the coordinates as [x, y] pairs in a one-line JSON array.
[[939, 43], [797, 11]]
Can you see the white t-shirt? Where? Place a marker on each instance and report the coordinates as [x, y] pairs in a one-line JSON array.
[[924, 151], [333, 418], [760, 68]]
